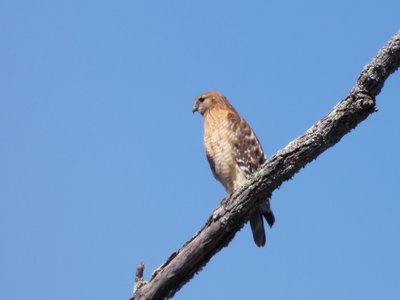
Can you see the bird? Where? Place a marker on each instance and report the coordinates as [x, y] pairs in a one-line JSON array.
[[233, 152]]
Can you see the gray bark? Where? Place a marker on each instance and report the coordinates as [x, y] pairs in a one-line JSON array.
[[233, 212]]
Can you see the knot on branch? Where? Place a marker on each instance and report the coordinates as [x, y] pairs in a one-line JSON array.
[[365, 101]]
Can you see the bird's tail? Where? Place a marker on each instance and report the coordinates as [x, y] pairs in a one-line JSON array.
[[257, 224]]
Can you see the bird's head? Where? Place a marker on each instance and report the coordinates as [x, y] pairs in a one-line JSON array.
[[208, 101]]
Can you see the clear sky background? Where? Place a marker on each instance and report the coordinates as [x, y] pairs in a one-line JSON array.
[[102, 163]]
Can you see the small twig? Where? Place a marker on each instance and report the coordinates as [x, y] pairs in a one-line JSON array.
[[139, 282]]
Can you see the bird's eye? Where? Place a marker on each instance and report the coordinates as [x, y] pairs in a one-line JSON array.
[[201, 99]]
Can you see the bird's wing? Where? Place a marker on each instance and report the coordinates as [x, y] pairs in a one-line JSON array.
[[249, 154]]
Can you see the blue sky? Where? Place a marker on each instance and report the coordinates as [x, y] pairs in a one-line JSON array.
[[102, 163]]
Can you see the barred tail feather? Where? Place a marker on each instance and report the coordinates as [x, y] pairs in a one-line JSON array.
[[267, 212], [257, 227]]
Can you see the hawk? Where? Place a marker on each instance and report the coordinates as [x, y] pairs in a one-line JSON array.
[[233, 152]]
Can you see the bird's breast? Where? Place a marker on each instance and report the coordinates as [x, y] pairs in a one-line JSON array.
[[219, 146]]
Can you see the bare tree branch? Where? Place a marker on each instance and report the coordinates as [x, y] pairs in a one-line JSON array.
[[231, 215]]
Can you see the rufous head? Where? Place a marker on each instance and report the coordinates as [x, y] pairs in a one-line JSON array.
[[210, 100]]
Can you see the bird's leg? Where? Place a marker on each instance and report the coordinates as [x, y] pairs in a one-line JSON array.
[[221, 208], [226, 199]]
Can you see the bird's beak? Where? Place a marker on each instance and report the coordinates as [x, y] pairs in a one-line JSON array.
[[195, 108]]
